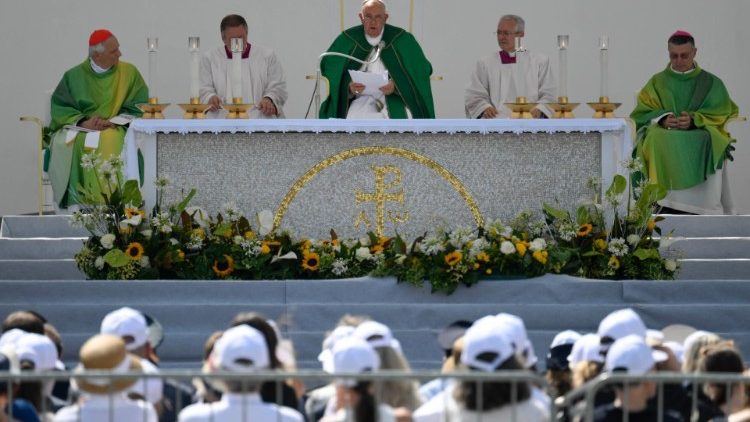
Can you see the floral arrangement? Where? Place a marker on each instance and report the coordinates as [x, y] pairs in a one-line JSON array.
[[177, 241]]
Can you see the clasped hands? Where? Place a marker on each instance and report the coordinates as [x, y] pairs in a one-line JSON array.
[[670, 121], [266, 106], [96, 123], [357, 88], [491, 113]]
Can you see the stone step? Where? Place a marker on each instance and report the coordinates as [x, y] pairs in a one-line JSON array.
[[714, 269], [40, 248], [39, 226], [712, 247], [706, 225], [40, 269]]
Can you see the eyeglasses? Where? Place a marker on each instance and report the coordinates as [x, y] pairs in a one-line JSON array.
[[378, 18], [506, 33]]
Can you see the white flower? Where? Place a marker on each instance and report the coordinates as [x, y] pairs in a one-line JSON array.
[[143, 262], [162, 182], [265, 222], [199, 216], [363, 253], [633, 239], [173, 241], [89, 161], [238, 240], [507, 247], [147, 233], [350, 243], [231, 212], [77, 220], [618, 247], [496, 228], [339, 267], [460, 236], [134, 221], [670, 265], [99, 262], [115, 162], [400, 258], [666, 242], [364, 241], [107, 241], [161, 223], [477, 246], [288, 255], [538, 244], [432, 245]]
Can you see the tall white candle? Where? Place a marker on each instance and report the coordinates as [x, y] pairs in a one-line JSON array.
[[562, 43], [603, 66], [521, 68], [152, 43], [237, 46], [194, 47]]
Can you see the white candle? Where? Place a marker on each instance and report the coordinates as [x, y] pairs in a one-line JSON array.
[[237, 45], [194, 47], [603, 66], [152, 43], [562, 42]]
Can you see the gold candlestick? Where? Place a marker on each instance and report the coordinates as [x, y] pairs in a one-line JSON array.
[[562, 108], [604, 109], [237, 110], [194, 110], [153, 109], [521, 109]]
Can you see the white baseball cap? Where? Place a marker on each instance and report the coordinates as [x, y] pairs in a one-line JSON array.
[[632, 355], [377, 334], [38, 349], [10, 337], [326, 355], [353, 354], [241, 348], [622, 323], [516, 332], [126, 323], [484, 337], [586, 349]]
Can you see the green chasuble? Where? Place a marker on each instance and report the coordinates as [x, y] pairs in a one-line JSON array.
[[681, 159], [80, 95], [406, 64]]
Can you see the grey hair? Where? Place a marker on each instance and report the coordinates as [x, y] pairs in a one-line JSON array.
[[385, 6], [96, 49], [520, 23]]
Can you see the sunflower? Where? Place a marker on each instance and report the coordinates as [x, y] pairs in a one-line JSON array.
[[310, 261], [377, 248], [134, 251], [613, 263], [306, 245], [131, 212], [453, 258], [198, 233], [540, 256], [224, 267], [584, 230]]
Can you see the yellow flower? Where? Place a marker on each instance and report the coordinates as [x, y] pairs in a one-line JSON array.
[[376, 248], [651, 225], [180, 255], [306, 245], [453, 258], [134, 251], [540, 256], [126, 230], [483, 257], [265, 249], [600, 244], [249, 235], [584, 230], [131, 212], [521, 248], [310, 261], [488, 271], [383, 240], [613, 263], [199, 233], [476, 265], [225, 267]]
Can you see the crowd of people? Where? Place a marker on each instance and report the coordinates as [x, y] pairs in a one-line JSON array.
[[252, 343]]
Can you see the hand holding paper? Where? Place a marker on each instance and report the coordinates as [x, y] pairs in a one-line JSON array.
[[371, 80]]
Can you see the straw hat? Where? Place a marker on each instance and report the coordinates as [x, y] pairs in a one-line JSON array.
[[106, 352]]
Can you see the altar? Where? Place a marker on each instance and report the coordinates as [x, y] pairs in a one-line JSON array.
[[354, 176]]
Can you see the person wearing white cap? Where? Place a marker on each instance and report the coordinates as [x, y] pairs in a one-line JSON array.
[[619, 324], [355, 401], [241, 349], [397, 394], [631, 355], [586, 359], [558, 374], [130, 325], [22, 410], [486, 348], [106, 399], [318, 398]]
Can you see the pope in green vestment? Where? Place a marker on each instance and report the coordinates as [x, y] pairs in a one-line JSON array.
[[680, 154], [88, 95], [407, 66]]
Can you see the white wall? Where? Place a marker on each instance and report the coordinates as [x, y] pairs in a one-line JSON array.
[[41, 39]]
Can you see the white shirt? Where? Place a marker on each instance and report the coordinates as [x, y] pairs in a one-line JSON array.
[[262, 76], [493, 83], [103, 408], [239, 407], [152, 389]]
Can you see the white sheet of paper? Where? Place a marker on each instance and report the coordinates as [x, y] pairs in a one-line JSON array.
[[73, 130], [92, 140], [371, 81], [122, 119]]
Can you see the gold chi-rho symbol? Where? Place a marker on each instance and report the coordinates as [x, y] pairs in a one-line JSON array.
[[383, 193]]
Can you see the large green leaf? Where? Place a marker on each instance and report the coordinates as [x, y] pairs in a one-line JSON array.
[[182, 205], [582, 215], [646, 253], [618, 186], [131, 194], [116, 258], [556, 213]]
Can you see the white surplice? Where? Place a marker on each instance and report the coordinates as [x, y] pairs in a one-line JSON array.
[[262, 76], [493, 83]]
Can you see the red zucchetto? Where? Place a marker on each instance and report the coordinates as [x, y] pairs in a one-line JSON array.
[[681, 33], [99, 36]]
